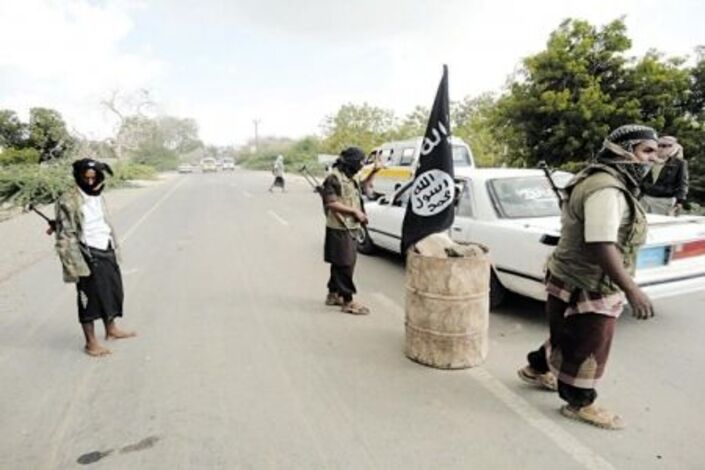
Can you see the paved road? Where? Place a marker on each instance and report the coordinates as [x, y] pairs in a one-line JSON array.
[[238, 363]]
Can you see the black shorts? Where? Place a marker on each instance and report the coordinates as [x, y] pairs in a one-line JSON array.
[[100, 295]]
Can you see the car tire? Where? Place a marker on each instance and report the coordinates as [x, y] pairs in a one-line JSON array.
[[497, 291], [366, 247]]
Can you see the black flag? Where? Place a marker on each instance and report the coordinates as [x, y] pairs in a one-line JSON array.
[[430, 208]]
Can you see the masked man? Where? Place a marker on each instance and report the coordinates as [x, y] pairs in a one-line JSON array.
[[86, 245], [345, 215], [665, 188], [591, 270]]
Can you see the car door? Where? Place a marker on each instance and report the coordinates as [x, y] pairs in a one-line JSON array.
[[388, 220], [461, 230]]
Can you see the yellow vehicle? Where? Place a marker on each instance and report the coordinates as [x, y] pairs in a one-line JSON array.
[[400, 159]]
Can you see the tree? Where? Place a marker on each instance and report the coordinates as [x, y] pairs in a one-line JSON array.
[[13, 132], [560, 108], [414, 124], [363, 126], [48, 134], [126, 107], [472, 122]]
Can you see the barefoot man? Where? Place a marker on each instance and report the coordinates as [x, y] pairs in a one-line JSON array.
[[86, 244]]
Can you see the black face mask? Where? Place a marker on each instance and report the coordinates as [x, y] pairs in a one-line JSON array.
[[80, 167], [351, 169]]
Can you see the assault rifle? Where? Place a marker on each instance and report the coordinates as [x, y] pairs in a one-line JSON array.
[[548, 171], [50, 222]]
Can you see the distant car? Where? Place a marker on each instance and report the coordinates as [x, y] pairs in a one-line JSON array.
[[185, 168], [515, 213], [208, 164], [228, 164]]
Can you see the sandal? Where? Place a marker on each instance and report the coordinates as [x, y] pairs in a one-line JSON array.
[[546, 380], [355, 309], [595, 415], [334, 299]]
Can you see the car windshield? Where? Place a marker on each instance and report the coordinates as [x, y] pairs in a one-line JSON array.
[[527, 196], [461, 156]]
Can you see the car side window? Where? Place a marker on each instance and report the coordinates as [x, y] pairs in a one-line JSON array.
[[394, 157], [465, 203], [407, 156]]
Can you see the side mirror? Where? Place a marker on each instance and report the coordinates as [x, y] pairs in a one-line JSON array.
[[383, 200]]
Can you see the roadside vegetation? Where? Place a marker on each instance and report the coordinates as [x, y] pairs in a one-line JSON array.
[[36, 156]]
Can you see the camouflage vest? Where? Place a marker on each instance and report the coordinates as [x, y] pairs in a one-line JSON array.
[[570, 261], [350, 196]]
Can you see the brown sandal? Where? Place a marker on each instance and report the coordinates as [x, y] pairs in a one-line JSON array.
[[355, 309], [546, 380], [595, 415]]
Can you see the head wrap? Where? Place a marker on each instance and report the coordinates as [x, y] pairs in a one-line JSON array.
[[79, 169], [676, 148], [618, 151], [350, 161]]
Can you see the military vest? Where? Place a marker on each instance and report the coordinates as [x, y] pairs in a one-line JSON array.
[[570, 261], [350, 196]]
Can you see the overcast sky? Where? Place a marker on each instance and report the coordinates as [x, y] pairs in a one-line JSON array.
[[289, 63]]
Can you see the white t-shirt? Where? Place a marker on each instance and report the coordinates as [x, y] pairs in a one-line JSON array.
[[96, 231], [604, 212]]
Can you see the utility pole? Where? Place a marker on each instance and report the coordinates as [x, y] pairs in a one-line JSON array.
[[256, 123]]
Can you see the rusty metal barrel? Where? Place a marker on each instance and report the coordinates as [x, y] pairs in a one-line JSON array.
[[447, 309]]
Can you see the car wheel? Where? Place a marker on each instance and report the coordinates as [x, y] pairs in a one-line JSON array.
[[497, 291], [366, 247]]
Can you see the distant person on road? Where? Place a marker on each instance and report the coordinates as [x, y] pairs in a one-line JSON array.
[[665, 188], [591, 270], [278, 172], [87, 245], [345, 216]]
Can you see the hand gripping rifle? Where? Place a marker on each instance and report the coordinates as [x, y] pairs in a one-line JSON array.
[[50, 222], [357, 234]]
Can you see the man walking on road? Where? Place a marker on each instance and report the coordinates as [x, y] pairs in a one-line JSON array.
[[86, 244], [345, 215], [589, 273], [278, 172]]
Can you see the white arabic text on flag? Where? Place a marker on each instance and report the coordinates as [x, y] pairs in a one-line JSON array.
[[430, 209]]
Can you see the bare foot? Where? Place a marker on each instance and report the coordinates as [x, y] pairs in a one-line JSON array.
[[96, 350], [117, 333]]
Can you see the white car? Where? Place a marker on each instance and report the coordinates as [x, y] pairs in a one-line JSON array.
[[515, 213], [228, 164], [209, 165], [185, 168]]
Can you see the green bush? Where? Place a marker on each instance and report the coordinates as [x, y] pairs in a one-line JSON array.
[[160, 158], [13, 156], [126, 171], [21, 185]]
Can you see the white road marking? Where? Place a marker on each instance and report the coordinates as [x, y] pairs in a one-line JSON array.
[[246, 194], [582, 454], [129, 272], [533, 417], [278, 217], [144, 217]]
